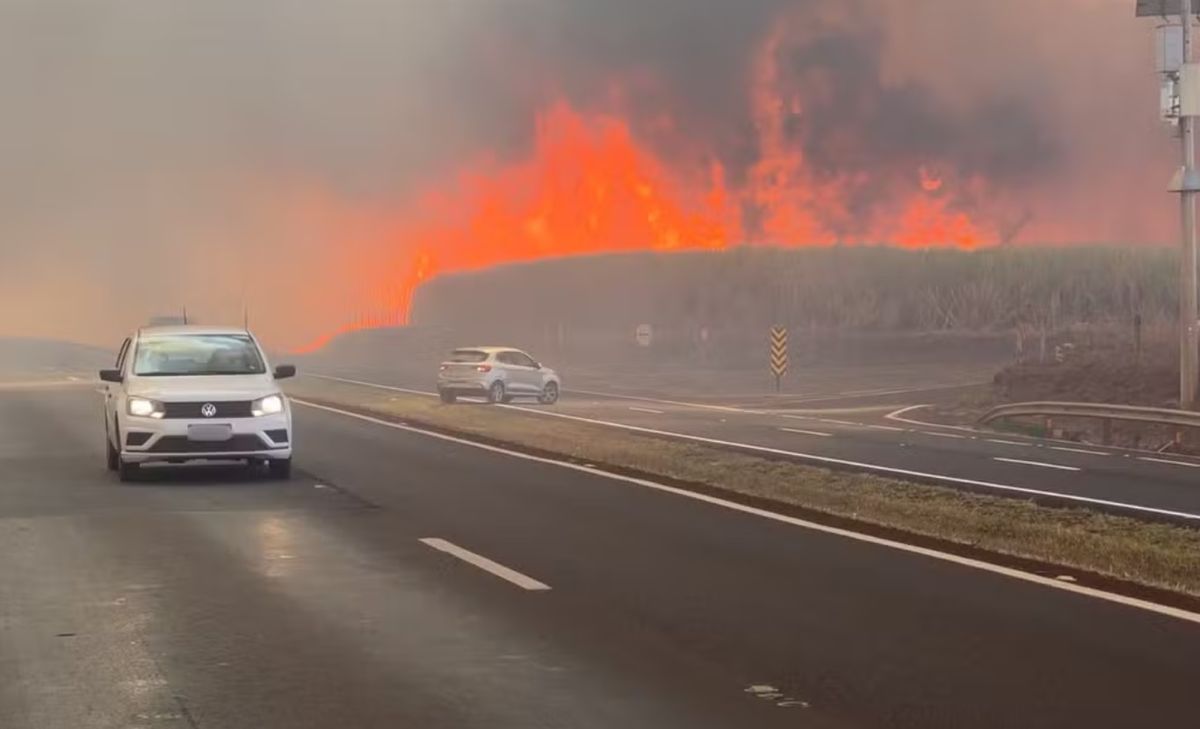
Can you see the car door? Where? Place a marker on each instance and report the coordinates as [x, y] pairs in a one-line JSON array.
[[510, 372], [525, 371], [112, 393]]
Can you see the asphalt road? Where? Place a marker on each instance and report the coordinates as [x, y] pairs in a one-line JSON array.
[[211, 598], [875, 430]]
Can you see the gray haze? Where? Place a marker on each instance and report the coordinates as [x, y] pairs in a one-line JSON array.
[[163, 153]]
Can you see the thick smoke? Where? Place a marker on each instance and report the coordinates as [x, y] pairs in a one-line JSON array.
[[227, 155]]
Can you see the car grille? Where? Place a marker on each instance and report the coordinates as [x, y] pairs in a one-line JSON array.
[[225, 409], [180, 444]]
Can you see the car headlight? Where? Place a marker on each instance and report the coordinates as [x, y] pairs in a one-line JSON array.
[[269, 405], [145, 408]]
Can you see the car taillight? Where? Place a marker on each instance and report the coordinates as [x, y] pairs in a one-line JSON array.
[[484, 368]]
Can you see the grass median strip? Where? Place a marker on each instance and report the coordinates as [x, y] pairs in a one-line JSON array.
[[1154, 555]]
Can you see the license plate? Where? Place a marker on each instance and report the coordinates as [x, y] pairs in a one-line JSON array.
[[210, 433]]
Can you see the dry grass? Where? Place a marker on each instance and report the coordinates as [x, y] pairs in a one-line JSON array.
[[1152, 554]]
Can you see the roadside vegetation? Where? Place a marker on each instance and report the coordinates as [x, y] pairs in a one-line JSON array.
[[1028, 293], [1156, 555]]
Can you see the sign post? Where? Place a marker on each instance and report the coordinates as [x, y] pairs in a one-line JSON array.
[[1181, 106], [644, 335], [779, 355]]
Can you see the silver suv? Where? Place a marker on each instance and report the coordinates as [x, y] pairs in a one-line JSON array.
[[497, 373]]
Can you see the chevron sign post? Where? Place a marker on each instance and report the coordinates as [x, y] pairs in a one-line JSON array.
[[779, 355]]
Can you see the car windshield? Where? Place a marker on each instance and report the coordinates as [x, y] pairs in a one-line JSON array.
[[197, 354], [467, 355]]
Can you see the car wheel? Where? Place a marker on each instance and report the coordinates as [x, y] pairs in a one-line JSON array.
[[113, 457], [496, 392], [127, 471], [447, 397], [280, 468], [549, 393]]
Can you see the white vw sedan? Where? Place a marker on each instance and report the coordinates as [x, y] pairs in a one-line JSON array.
[[195, 393]]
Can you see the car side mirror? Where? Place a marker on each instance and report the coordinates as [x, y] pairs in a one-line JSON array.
[[537, 365], [110, 376], [282, 372]]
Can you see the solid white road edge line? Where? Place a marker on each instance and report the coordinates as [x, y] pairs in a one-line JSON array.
[[807, 432], [898, 416], [872, 467], [525, 582], [1079, 450], [942, 435], [1048, 582], [636, 409], [1008, 442], [1169, 462], [376, 385], [703, 406], [875, 468], [1037, 463]]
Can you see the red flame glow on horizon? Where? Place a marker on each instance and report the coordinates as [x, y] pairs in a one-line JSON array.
[[590, 186]]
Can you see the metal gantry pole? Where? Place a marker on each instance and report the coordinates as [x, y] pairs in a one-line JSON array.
[[1189, 349]]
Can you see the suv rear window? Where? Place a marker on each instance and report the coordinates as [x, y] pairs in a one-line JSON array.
[[467, 355]]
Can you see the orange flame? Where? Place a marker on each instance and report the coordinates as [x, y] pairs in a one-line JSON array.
[[591, 187]]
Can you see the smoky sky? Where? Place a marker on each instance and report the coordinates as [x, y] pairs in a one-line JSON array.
[[154, 151]]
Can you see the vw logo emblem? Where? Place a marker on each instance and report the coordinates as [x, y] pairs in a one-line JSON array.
[[208, 410]]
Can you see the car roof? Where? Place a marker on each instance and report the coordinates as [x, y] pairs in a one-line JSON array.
[[192, 329], [489, 350]]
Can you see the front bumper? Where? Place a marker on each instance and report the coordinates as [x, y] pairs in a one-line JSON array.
[[147, 440]]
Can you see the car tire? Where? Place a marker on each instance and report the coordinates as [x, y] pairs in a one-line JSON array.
[[447, 397], [127, 471], [113, 458], [496, 393], [280, 468], [549, 394]]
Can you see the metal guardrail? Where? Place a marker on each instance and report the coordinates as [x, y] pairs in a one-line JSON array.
[[1100, 411]]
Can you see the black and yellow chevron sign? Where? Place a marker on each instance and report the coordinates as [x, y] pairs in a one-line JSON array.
[[779, 351]]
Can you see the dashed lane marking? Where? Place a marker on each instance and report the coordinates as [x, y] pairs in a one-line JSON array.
[[525, 582]]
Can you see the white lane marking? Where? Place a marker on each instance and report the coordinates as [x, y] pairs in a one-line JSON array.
[[799, 417], [1169, 462], [837, 422], [898, 416], [704, 406], [942, 435], [849, 395], [1037, 463], [1016, 574], [523, 581], [1008, 442], [645, 410], [891, 428], [1079, 450], [873, 467], [807, 432], [370, 384]]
